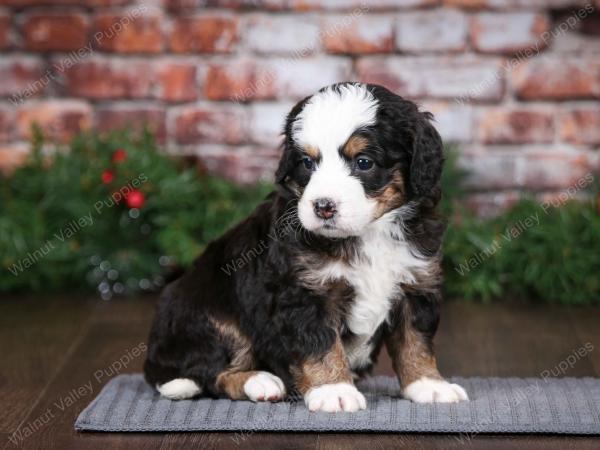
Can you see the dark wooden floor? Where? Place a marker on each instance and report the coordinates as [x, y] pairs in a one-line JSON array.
[[50, 347]]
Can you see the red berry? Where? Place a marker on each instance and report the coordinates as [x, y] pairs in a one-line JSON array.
[[119, 155], [108, 176], [135, 199]]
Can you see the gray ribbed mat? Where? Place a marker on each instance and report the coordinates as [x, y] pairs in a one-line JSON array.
[[498, 405]]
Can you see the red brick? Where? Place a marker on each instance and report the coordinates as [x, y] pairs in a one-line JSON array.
[[356, 35], [581, 125], [240, 164], [5, 29], [459, 79], [556, 169], [489, 169], [239, 80], [243, 80], [135, 116], [7, 123], [22, 78], [358, 6], [516, 126], [59, 32], [106, 79], [508, 32], [128, 33], [177, 82], [204, 34], [210, 123], [558, 79], [279, 33], [12, 156], [436, 30], [466, 4], [59, 119]]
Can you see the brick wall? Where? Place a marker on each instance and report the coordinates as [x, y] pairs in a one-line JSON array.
[[515, 83]]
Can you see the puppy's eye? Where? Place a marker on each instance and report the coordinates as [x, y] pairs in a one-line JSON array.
[[364, 163], [308, 162]]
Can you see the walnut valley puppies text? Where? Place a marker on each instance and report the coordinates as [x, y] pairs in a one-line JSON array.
[[70, 398]]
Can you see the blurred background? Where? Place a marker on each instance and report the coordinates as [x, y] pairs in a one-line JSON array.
[[133, 132]]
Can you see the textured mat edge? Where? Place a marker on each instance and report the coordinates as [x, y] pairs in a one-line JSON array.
[[82, 424]]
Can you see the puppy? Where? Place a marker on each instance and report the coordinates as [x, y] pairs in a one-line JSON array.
[[343, 258]]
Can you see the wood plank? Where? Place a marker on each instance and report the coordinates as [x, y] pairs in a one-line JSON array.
[[115, 330], [586, 322], [411, 441], [36, 335], [474, 339], [506, 340], [243, 440]]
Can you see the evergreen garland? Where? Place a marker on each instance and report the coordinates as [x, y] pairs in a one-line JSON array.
[[111, 213]]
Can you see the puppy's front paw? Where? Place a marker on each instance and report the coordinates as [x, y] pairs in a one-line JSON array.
[[264, 386], [335, 397], [429, 390]]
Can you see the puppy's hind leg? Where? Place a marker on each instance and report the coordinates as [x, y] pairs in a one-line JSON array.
[[163, 371], [184, 363], [257, 386], [179, 389]]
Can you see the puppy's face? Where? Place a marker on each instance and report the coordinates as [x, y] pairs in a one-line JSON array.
[[354, 152]]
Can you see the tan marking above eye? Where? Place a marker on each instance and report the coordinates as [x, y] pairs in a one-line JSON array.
[[311, 151], [355, 145]]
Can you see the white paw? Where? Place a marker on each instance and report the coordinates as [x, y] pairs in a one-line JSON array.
[[428, 390], [179, 388], [335, 397], [264, 386]]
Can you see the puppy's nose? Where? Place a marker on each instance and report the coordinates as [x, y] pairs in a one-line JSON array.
[[324, 208]]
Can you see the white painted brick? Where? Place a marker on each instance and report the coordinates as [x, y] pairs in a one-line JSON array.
[[437, 30]]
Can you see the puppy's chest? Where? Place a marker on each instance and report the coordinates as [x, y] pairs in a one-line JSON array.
[[381, 264]]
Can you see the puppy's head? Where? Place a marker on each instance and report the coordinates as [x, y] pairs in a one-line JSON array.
[[354, 152]]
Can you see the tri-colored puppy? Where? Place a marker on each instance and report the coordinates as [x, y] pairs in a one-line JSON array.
[[343, 258]]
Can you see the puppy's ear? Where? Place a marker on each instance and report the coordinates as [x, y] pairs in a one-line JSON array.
[[288, 160], [427, 160], [287, 164]]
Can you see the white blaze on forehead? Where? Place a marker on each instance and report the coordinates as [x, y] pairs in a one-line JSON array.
[[327, 121], [330, 117]]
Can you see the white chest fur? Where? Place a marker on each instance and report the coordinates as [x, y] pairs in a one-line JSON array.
[[384, 263]]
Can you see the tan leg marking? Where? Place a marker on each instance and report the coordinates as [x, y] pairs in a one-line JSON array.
[[232, 383], [411, 358], [332, 368], [231, 380]]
